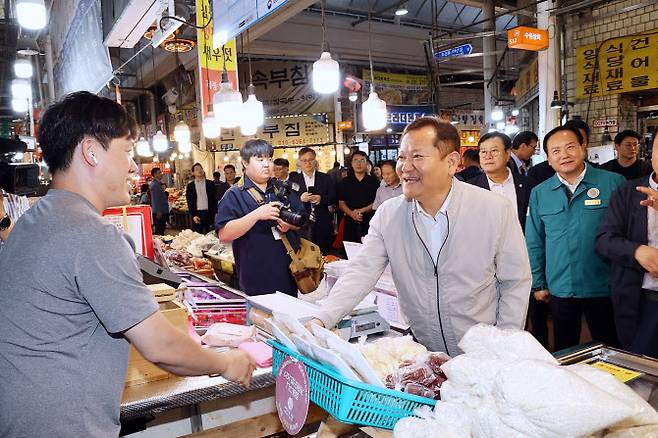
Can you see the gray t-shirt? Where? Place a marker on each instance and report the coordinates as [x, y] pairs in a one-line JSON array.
[[70, 285]]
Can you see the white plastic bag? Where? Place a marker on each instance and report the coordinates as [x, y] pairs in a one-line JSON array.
[[224, 334]]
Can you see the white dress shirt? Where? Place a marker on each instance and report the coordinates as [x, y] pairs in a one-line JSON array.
[[309, 180], [572, 187], [436, 227], [506, 188], [201, 194], [650, 282]]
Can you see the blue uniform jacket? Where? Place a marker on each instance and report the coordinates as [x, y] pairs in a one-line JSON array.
[[261, 260]]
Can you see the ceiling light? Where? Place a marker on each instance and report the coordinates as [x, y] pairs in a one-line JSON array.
[[226, 158], [556, 103], [23, 68], [374, 112], [26, 47], [389, 130], [471, 139], [227, 103], [515, 112], [285, 155], [160, 142], [500, 126], [163, 33], [353, 96], [173, 156], [326, 74], [21, 89], [31, 14], [253, 114], [347, 151], [19, 105], [182, 132], [402, 10], [497, 114], [210, 126], [143, 148]]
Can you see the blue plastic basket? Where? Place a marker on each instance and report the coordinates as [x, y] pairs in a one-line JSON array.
[[349, 401]]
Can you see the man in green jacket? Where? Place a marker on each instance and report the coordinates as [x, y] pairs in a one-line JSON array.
[[564, 214]]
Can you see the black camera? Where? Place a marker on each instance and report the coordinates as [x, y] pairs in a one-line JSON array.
[[286, 214]]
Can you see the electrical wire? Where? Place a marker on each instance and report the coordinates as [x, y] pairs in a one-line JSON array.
[[372, 73], [324, 27], [185, 23]]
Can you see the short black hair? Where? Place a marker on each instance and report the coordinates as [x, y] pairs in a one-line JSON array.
[[305, 150], [64, 125], [387, 163], [155, 171], [363, 154], [472, 154], [336, 164], [143, 188], [282, 162], [565, 127], [579, 124], [524, 137], [195, 165], [256, 148], [446, 136], [627, 133], [216, 174], [507, 142], [229, 166]]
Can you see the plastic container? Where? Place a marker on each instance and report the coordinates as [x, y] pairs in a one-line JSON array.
[[349, 401]]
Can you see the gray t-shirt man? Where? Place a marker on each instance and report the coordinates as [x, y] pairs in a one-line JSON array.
[[70, 286]]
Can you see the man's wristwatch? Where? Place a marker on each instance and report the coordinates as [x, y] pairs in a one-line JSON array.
[[536, 289], [5, 222]]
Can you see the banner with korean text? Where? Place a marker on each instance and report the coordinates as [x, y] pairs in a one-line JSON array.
[[625, 64]]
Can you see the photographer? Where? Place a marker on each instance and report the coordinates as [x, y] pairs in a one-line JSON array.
[[251, 215]]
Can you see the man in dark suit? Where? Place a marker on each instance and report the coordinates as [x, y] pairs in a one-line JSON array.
[[471, 162], [201, 200], [317, 194], [628, 237], [523, 148], [494, 150]]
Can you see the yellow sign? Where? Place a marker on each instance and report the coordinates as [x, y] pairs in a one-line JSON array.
[[396, 79], [624, 64], [527, 38], [622, 374], [528, 80], [287, 131], [211, 61]]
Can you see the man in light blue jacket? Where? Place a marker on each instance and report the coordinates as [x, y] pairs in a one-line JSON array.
[[456, 251]]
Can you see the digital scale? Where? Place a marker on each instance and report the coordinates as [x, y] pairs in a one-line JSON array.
[[362, 322]]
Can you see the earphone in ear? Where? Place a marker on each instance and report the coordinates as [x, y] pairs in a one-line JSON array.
[[92, 157]]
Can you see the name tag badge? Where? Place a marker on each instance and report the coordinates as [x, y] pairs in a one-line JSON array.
[[276, 234], [592, 202]]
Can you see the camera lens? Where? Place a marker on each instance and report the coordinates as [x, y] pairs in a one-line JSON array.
[[292, 218]]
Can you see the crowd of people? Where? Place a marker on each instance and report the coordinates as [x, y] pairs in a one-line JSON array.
[[567, 237]]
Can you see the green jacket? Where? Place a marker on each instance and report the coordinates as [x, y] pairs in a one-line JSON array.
[[560, 235]]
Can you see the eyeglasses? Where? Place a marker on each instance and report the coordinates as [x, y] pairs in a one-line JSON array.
[[633, 144], [359, 160], [494, 153], [307, 160]]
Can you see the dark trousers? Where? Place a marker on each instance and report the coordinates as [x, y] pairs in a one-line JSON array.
[[538, 316], [567, 314], [207, 222], [646, 337], [160, 225]]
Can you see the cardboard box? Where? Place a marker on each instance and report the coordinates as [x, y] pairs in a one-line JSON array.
[[136, 221], [141, 370]]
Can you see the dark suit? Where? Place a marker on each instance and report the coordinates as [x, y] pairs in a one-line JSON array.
[[538, 310], [514, 168], [523, 186], [469, 173], [541, 172], [322, 231], [623, 230], [207, 216]]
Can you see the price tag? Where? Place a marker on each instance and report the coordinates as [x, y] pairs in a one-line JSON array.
[[622, 374], [292, 395]]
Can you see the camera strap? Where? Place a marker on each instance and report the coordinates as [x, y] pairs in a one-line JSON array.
[[289, 249]]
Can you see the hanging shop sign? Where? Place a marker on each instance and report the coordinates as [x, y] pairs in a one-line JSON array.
[[463, 50], [286, 131], [624, 65], [399, 89], [605, 123], [234, 17], [399, 116], [285, 87], [211, 60], [345, 125], [527, 38], [528, 81]]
